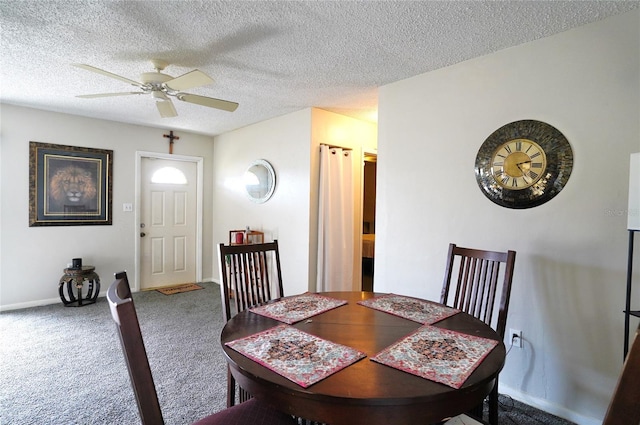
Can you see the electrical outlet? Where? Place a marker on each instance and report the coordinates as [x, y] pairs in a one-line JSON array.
[[127, 207], [515, 337]]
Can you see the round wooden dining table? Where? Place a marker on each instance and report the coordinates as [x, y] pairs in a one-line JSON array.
[[365, 392]]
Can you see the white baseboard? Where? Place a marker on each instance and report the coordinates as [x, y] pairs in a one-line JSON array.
[[37, 303], [49, 301], [549, 407]]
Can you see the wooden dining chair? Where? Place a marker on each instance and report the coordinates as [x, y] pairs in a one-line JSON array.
[[624, 407], [126, 319], [250, 275], [472, 281]]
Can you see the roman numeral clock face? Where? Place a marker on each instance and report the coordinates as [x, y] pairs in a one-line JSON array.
[[523, 164], [518, 164]]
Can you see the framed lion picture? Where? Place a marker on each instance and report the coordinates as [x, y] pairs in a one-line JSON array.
[[69, 185]]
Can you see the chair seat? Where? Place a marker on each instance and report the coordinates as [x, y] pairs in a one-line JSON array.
[[249, 412]]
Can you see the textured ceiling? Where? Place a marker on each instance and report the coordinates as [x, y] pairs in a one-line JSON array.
[[272, 57]]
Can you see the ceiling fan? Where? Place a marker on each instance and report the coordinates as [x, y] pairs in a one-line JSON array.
[[162, 87]]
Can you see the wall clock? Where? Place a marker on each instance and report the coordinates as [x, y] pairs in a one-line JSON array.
[[523, 164]]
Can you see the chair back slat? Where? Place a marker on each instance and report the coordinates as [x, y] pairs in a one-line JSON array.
[[477, 281], [249, 279], [124, 315]]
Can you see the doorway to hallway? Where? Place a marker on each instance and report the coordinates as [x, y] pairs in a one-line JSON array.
[[368, 219]]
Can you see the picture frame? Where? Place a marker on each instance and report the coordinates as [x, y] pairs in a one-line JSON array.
[[69, 185]]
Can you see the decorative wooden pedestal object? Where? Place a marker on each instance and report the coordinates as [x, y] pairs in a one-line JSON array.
[[76, 278]]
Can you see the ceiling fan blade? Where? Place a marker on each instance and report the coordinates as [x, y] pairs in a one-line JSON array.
[[195, 78], [91, 96], [108, 74], [166, 108], [210, 102]]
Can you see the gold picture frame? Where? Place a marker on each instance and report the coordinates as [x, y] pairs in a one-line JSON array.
[[69, 185]]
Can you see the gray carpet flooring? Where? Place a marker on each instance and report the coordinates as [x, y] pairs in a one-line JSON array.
[[64, 365]]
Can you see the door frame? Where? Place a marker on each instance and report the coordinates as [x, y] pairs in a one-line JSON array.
[[364, 151], [199, 161]]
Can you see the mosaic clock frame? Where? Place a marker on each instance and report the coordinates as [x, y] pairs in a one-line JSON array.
[[523, 164]]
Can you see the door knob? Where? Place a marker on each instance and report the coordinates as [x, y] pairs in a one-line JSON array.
[[143, 234]]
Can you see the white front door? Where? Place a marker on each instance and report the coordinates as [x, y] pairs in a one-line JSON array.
[[168, 224]]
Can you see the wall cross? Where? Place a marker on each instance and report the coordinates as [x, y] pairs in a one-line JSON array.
[[171, 138]]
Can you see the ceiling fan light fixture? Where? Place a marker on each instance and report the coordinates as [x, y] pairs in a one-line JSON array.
[[159, 96], [166, 108]]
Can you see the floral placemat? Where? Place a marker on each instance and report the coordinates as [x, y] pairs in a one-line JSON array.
[[421, 311], [298, 307], [298, 356], [436, 354]]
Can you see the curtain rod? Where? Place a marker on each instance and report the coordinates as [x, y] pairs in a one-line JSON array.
[[335, 146]]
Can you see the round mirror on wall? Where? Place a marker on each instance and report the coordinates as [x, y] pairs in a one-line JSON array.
[[260, 181]]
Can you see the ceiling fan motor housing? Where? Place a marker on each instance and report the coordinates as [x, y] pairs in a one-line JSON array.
[[155, 77], [154, 81]]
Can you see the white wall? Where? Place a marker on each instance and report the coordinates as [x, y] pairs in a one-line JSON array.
[[288, 142], [33, 258], [291, 144], [568, 290], [284, 142]]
